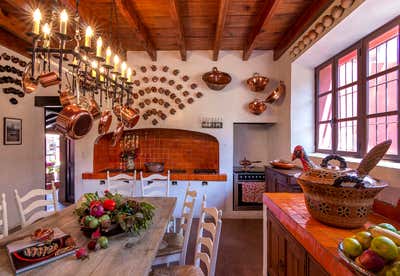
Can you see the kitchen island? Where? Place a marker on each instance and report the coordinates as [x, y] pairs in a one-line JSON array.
[[296, 244]]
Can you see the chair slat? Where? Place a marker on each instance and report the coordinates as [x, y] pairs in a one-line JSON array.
[[37, 204], [38, 215], [206, 242], [213, 212], [36, 192], [204, 258], [210, 227]]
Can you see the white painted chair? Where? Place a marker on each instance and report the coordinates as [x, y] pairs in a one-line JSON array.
[[4, 218], [36, 204], [122, 183], [210, 241], [176, 243], [155, 185]]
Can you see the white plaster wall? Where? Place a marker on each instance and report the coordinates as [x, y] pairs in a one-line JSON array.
[[22, 167], [230, 104]]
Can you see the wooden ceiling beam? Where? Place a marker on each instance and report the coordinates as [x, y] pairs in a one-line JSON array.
[[223, 11], [12, 42], [128, 11], [264, 18], [175, 16], [302, 24]]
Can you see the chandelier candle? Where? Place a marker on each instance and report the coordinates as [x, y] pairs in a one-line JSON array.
[[116, 63], [37, 17], [63, 22], [88, 37], [46, 35], [129, 74], [94, 68], [108, 55], [99, 47], [123, 69]]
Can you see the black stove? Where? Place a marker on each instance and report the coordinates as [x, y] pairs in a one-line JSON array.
[[255, 177]]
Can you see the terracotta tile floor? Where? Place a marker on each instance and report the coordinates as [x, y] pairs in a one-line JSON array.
[[240, 248]]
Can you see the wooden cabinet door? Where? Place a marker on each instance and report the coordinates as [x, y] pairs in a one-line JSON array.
[[276, 250], [314, 268], [295, 262]]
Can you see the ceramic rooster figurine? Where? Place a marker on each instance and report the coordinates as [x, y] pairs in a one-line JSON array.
[[300, 153]]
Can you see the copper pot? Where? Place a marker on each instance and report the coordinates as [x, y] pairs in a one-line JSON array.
[[74, 121], [130, 117], [257, 106], [66, 98], [105, 122], [257, 83], [91, 105], [276, 93], [117, 135], [117, 111], [216, 80], [29, 84], [49, 79]]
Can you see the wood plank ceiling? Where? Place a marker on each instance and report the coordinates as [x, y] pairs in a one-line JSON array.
[[183, 25]]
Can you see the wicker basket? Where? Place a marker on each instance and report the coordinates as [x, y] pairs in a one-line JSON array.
[[344, 207]]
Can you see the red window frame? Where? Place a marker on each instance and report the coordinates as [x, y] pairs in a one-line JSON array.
[[362, 100]]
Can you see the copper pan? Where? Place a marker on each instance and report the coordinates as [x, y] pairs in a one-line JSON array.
[[117, 135], [74, 121], [257, 106], [257, 83], [49, 79], [91, 105], [66, 98], [29, 84], [105, 122], [216, 80], [276, 93]]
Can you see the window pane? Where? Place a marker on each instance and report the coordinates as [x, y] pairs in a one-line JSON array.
[[347, 102], [382, 128], [383, 51], [348, 68], [382, 93], [325, 79], [347, 136], [325, 107], [325, 136]]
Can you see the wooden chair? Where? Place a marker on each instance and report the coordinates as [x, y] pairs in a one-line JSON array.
[[4, 218], [209, 241], [155, 185], [39, 203], [122, 184], [176, 243]]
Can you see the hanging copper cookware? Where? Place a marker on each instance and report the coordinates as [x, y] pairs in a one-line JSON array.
[[117, 135], [74, 121], [66, 98], [90, 104], [130, 117], [257, 106], [257, 83], [105, 122], [117, 111], [49, 79], [29, 83], [276, 93]]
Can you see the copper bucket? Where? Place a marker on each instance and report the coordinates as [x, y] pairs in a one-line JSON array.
[[74, 121], [49, 79], [105, 122], [29, 84]]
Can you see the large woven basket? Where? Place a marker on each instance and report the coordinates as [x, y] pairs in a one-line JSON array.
[[344, 207]]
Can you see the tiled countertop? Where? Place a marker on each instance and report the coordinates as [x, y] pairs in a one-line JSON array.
[[174, 176], [318, 239]]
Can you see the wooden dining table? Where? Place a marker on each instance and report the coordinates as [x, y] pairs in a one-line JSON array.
[[122, 257]]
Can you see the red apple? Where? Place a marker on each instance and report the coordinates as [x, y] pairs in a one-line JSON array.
[[371, 260]]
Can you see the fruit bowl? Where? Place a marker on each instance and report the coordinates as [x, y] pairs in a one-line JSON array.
[[352, 263]]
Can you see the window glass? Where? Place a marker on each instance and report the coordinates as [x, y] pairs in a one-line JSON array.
[[347, 68], [382, 93], [347, 102], [325, 79], [325, 107], [347, 134], [325, 136], [382, 128]]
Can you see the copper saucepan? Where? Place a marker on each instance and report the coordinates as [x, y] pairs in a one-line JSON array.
[[276, 93], [105, 122], [49, 79], [74, 121], [29, 83], [257, 106], [117, 135]]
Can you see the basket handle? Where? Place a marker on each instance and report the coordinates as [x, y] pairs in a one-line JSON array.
[[325, 161], [358, 182]]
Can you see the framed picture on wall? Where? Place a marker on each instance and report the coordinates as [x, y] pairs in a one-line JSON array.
[[12, 131]]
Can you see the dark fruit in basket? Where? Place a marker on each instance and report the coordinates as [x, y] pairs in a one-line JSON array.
[[92, 245], [81, 253], [364, 238], [388, 226], [109, 204], [103, 242], [385, 248], [97, 210], [352, 247], [94, 223], [371, 260], [96, 234]]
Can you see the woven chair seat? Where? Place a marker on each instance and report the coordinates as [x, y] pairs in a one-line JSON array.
[[181, 270], [173, 243]]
